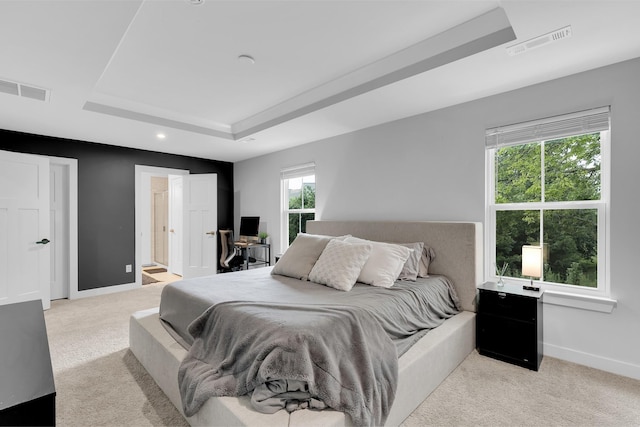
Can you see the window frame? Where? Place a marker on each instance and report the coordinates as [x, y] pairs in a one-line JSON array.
[[602, 206], [300, 171]]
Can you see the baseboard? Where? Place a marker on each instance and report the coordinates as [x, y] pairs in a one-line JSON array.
[[103, 290], [598, 362]]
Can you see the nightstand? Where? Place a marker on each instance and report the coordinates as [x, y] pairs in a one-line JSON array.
[[509, 324]]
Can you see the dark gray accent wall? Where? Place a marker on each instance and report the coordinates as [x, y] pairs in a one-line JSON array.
[[106, 199]]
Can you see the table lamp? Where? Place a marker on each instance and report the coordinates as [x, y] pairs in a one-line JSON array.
[[532, 265]]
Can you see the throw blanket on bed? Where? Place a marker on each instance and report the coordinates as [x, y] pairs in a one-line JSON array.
[[291, 356]]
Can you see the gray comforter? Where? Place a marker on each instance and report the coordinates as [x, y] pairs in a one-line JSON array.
[[351, 326], [338, 356]]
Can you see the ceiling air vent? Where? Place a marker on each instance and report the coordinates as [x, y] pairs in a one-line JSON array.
[[26, 91], [9, 87], [554, 36]]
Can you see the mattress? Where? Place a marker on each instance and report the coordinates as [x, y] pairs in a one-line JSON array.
[[407, 310]]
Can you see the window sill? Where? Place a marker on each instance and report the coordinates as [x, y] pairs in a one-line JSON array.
[[603, 305]]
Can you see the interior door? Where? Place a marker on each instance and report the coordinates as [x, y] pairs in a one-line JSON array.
[[175, 224], [200, 221], [59, 216], [24, 228]]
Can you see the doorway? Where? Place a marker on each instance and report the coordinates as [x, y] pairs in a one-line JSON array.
[[160, 220], [192, 221], [63, 196], [38, 228], [153, 238]]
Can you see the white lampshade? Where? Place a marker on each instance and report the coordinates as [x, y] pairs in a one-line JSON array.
[[532, 261]]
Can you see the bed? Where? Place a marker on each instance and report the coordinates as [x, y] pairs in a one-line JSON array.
[[421, 367]]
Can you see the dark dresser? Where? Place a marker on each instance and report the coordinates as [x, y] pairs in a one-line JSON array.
[[27, 390]]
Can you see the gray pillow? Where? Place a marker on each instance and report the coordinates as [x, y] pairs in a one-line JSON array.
[[411, 267], [298, 260], [428, 255]]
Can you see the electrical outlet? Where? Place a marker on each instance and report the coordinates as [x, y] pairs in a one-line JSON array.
[[127, 268]]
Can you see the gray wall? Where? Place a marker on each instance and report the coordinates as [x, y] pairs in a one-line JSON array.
[[432, 167]]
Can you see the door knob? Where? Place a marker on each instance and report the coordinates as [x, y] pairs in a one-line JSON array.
[[211, 233], [43, 242]]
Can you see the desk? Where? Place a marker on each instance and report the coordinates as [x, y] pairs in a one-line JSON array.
[[246, 246]]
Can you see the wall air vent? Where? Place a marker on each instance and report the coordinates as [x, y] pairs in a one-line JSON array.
[[554, 36], [23, 90]]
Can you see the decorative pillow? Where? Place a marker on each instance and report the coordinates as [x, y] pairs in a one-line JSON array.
[[384, 264], [428, 255], [298, 260], [340, 264], [412, 265]]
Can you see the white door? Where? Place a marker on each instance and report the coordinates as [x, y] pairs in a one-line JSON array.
[[175, 224], [200, 222], [24, 228]]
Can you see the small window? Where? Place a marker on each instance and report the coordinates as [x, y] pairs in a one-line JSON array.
[[298, 201], [548, 186]]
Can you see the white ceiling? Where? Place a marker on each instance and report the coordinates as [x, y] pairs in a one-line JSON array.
[[119, 72]]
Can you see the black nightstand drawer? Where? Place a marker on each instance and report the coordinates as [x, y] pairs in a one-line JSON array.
[[509, 340], [508, 305]]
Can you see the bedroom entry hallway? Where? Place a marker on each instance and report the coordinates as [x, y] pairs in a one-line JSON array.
[[176, 223], [156, 270]]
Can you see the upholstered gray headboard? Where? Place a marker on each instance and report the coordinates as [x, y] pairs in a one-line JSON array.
[[458, 246]]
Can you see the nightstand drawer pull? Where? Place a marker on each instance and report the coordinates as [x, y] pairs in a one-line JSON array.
[[502, 295]]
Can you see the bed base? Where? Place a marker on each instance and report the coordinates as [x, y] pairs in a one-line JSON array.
[[421, 369]]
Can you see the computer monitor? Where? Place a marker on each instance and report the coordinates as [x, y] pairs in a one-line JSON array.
[[249, 228]]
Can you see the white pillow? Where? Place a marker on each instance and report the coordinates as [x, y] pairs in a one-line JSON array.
[[384, 264], [340, 264]]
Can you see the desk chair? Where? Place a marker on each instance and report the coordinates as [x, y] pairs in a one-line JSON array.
[[230, 257]]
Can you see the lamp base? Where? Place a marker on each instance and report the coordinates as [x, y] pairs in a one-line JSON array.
[[531, 287]]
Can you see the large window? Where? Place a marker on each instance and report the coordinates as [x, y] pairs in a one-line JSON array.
[[548, 186], [298, 200]]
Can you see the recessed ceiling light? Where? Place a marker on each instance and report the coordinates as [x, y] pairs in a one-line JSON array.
[[161, 135], [195, 2], [246, 59], [244, 141]]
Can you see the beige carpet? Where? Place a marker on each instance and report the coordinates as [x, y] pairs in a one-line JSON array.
[[100, 383]]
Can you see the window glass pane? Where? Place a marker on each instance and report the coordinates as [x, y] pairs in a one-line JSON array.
[[572, 168], [294, 226], [294, 193], [303, 221], [298, 224], [309, 192], [518, 173], [513, 230], [571, 239]]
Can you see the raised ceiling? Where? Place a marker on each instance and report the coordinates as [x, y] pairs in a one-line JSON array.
[[120, 72]]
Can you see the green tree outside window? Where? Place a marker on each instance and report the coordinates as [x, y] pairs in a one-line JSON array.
[[539, 174]]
